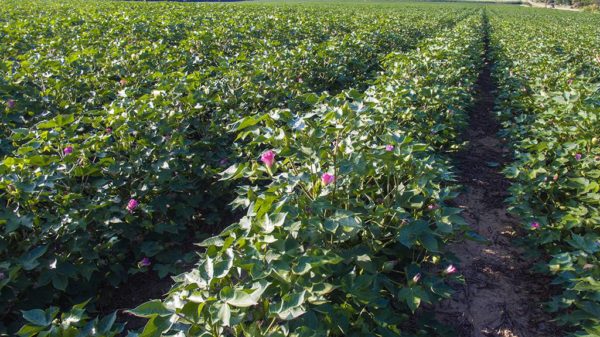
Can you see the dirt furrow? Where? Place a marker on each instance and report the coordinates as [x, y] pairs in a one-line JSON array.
[[500, 296]]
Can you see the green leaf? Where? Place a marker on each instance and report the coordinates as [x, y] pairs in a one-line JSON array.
[[247, 122], [303, 266], [344, 223], [233, 172], [272, 221], [60, 282], [221, 268], [237, 298], [310, 98], [410, 297], [37, 317], [244, 298], [225, 315], [290, 307], [29, 330], [409, 232], [58, 121], [107, 322], [429, 242], [156, 326], [29, 260], [474, 236], [578, 183], [150, 309], [213, 241], [592, 308], [511, 172]]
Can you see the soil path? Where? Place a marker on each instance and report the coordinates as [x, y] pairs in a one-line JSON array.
[[500, 297], [543, 5]]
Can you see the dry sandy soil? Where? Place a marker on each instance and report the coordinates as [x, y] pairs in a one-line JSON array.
[[543, 5], [500, 297]]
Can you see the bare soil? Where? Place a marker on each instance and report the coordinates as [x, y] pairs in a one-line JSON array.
[[137, 290], [543, 5], [500, 297]]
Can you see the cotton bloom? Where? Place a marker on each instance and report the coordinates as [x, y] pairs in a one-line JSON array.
[[416, 278], [123, 81], [451, 269], [223, 162], [68, 150], [389, 147], [108, 130], [2, 276], [145, 262], [10, 103], [535, 225], [327, 178], [132, 204], [432, 207], [578, 156], [268, 158], [555, 178]]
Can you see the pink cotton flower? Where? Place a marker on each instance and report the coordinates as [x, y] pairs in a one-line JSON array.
[[432, 207], [578, 156], [416, 278], [268, 158], [132, 204], [555, 178], [451, 269], [108, 130], [10, 103], [68, 150], [535, 225], [2, 276], [389, 147], [327, 178], [145, 262], [223, 162]]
